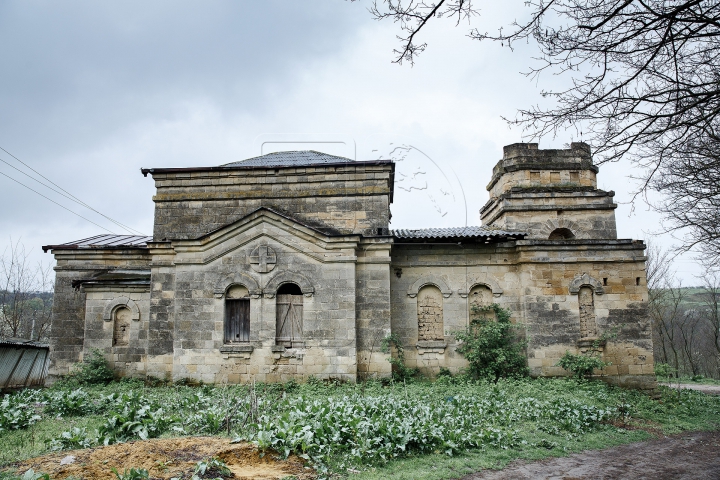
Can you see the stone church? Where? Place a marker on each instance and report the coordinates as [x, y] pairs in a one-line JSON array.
[[283, 267]]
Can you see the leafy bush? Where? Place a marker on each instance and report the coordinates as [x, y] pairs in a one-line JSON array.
[[211, 468], [400, 371], [132, 474], [94, 370], [663, 370], [134, 417], [66, 404], [17, 411], [491, 346], [72, 440], [581, 365]]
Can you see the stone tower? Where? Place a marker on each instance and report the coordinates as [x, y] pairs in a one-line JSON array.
[[550, 194]]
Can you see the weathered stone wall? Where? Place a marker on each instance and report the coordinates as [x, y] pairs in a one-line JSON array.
[[554, 274], [539, 282], [372, 306], [324, 268], [103, 303], [353, 198], [454, 271], [67, 331], [539, 191]]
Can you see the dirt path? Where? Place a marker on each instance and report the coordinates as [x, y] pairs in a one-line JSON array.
[[709, 389], [688, 456]]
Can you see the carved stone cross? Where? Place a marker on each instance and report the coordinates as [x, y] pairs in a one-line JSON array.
[[263, 259]]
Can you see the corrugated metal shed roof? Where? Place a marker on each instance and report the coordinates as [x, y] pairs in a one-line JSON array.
[[289, 159], [457, 232], [103, 241]]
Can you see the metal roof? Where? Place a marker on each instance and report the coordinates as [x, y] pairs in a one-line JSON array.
[[289, 159], [103, 241], [456, 232]]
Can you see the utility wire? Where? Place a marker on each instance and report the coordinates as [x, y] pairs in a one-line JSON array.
[[53, 201], [66, 194]]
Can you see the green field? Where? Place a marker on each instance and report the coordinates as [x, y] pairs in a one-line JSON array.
[[418, 430]]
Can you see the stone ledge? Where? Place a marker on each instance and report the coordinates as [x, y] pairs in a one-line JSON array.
[[239, 348]]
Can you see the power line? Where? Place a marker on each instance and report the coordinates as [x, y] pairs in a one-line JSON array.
[[66, 194], [56, 203]]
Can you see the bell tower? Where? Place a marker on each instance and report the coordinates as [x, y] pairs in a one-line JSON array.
[[549, 194]]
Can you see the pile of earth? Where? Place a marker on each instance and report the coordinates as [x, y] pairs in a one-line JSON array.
[[165, 459]]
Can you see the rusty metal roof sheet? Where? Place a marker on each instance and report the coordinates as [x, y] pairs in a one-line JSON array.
[[456, 233], [103, 241]]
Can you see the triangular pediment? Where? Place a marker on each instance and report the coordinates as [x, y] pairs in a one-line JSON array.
[[271, 225]]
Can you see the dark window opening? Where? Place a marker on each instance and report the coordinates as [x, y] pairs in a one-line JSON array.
[[237, 320], [561, 234], [289, 289], [605, 281], [637, 281]]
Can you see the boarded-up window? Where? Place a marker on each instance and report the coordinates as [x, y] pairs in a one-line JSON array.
[[430, 313], [237, 314], [121, 327], [237, 320], [479, 298], [587, 312], [289, 311]]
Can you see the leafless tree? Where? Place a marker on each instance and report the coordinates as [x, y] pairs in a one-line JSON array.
[[691, 196], [25, 294], [645, 85]]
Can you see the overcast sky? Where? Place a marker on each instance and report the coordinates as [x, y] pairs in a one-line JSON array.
[[90, 92]]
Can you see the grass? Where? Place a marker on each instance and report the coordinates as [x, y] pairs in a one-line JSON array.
[[532, 419]]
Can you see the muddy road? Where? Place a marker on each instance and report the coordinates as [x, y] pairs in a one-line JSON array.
[[694, 455]]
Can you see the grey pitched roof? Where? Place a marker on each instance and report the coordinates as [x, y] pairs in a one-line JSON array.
[[103, 241], [457, 232], [289, 159]]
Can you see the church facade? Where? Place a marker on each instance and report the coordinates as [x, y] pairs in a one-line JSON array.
[[284, 267]]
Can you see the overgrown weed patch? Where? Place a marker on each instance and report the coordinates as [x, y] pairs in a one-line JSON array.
[[366, 427]]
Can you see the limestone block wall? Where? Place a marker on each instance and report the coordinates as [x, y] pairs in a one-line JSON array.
[[107, 308], [583, 222], [372, 306], [454, 270], [352, 198], [326, 275], [525, 165], [553, 274], [67, 331]]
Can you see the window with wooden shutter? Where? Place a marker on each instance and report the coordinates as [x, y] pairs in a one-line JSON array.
[[237, 315], [289, 321]]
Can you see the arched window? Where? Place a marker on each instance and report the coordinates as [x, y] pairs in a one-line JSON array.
[[430, 313], [121, 326], [237, 314], [480, 296], [289, 316], [561, 234], [587, 312]]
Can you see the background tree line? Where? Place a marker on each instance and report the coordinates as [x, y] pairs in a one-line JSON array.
[[26, 295], [686, 321]]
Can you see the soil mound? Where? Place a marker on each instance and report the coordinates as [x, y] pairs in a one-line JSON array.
[[165, 459]]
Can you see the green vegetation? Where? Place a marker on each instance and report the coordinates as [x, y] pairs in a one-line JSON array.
[[414, 429], [399, 430], [400, 371], [491, 345], [582, 364], [92, 371]]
